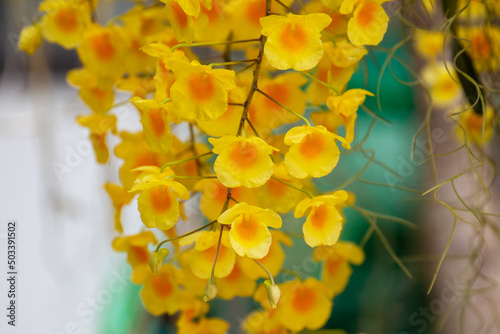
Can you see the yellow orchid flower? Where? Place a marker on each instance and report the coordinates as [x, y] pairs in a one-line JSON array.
[[157, 202], [249, 234], [294, 41], [313, 151], [200, 92], [136, 247], [242, 161], [324, 221], [336, 269]]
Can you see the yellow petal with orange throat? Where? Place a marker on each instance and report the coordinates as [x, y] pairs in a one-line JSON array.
[[64, 23], [368, 24], [324, 221], [313, 151], [202, 257], [158, 207], [294, 41], [101, 51], [242, 161], [250, 237], [323, 226], [160, 293], [249, 234], [305, 305], [181, 23], [200, 93]]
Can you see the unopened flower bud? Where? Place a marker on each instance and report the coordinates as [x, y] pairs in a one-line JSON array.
[[210, 291], [30, 39], [273, 293], [156, 259]]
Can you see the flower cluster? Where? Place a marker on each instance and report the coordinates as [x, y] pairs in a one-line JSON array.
[[263, 123]]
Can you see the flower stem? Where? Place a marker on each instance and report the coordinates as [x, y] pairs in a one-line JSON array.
[[217, 253], [267, 271], [185, 234], [233, 62], [320, 82], [182, 161], [190, 177], [286, 108], [181, 45], [292, 186]]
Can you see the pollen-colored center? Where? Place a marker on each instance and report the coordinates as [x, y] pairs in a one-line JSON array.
[[138, 254], [366, 14], [312, 145], [102, 46], [248, 230], [157, 123], [66, 20], [254, 11], [293, 39], [98, 93], [148, 25], [276, 188], [244, 155], [338, 23], [180, 16], [279, 92], [146, 159], [332, 266], [201, 87], [162, 285], [235, 275], [303, 299], [475, 122], [160, 198], [319, 216], [481, 46]]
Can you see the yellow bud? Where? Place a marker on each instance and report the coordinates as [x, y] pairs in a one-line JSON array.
[[273, 293], [30, 39], [210, 291], [156, 259]]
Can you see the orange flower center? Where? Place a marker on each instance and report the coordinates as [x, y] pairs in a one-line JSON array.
[[254, 11], [279, 92], [366, 14], [481, 46], [247, 229], [98, 93], [160, 198], [180, 16], [209, 255], [276, 188], [214, 13], [138, 254], [332, 266], [475, 122], [201, 86], [338, 24], [244, 155], [162, 285], [312, 145], [66, 20], [99, 140], [146, 159], [157, 123], [235, 275], [148, 25], [303, 299], [319, 216], [293, 38], [103, 48]]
